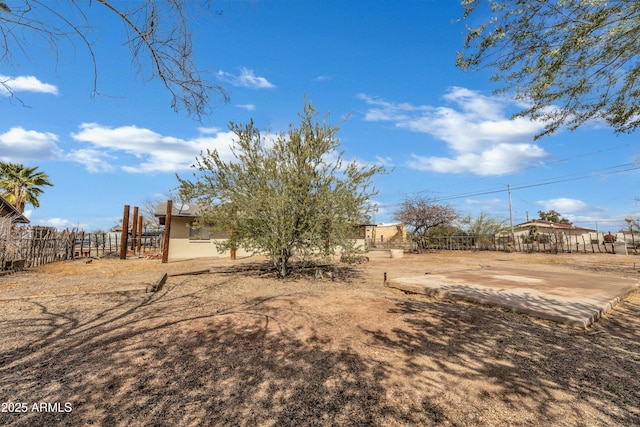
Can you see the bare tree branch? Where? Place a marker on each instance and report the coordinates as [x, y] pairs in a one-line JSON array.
[[423, 214], [158, 38]]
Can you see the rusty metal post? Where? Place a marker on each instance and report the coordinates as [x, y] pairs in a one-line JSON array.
[[125, 233], [167, 232], [134, 229], [139, 233]]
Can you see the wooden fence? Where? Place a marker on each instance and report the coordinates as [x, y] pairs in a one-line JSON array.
[[34, 246]]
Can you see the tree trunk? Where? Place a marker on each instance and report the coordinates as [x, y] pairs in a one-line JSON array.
[[281, 266], [281, 263]]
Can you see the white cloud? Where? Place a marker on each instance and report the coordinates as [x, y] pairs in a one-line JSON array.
[[498, 160], [94, 161], [208, 130], [390, 111], [8, 85], [385, 161], [486, 204], [61, 224], [153, 152], [248, 107], [564, 205], [20, 145], [322, 78], [477, 129], [583, 214], [246, 78]]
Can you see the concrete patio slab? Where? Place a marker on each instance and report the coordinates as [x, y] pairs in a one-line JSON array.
[[565, 296]]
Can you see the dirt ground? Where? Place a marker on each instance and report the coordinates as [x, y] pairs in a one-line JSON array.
[[85, 344]]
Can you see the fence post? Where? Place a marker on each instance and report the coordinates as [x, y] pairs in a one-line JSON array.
[[167, 232], [134, 229], [139, 241], [125, 232]]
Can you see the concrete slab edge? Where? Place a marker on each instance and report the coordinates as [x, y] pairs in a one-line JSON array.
[[577, 322]]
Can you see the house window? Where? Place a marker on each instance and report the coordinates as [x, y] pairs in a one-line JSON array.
[[199, 232]]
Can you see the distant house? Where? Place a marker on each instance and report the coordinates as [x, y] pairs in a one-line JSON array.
[[395, 232], [542, 232], [8, 211], [542, 226]]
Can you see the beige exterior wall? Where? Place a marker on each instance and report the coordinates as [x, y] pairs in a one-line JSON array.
[[361, 244], [180, 247], [188, 249], [384, 232]]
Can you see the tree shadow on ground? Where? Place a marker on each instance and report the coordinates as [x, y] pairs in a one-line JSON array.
[[163, 360], [194, 355], [524, 365]]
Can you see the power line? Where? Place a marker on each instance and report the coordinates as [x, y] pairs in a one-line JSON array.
[[565, 159], [557, 181]]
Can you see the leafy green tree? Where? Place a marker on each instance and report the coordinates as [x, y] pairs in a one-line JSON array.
[[571, 61], [21, 185], [423, 215], [553, 216], [484, 228], [287, 196]]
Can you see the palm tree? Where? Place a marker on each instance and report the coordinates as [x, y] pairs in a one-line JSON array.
[[20, 185]]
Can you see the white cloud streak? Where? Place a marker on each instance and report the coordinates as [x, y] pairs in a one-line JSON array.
[[61, 224], [564, 205], [248, 107], [246, 78], [94, 161], [8, 85], [476, 128]]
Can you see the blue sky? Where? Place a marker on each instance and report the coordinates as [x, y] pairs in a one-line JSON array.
[[389, 64]]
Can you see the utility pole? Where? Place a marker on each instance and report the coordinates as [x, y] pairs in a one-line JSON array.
[[510, 211]]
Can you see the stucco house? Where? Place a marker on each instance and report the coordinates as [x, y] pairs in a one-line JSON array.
[[395, 232], [547, 232], [539, 226], [187, 240]]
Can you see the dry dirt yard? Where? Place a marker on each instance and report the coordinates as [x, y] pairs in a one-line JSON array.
[[85, 344]]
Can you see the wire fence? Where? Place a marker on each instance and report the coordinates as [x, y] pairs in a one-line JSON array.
[[541, 242], [26, 247]]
